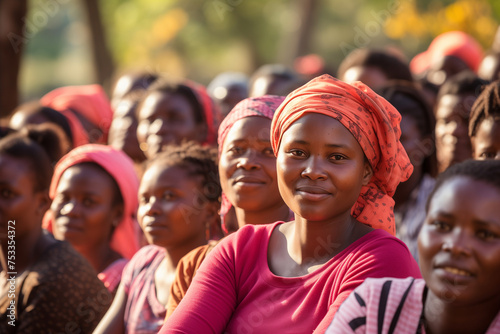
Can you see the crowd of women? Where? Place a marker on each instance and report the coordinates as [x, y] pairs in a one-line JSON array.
[[286, 202]]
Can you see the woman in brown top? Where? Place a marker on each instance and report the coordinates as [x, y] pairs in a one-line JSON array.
[[45, 285]]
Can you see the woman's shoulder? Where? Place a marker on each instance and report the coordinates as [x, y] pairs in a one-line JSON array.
[[379, 240], [382, 255], [248, 235], [60, 258]]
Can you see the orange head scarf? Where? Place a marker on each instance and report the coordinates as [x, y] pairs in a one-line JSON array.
[[125, 238], [374, 123], [90, 102]]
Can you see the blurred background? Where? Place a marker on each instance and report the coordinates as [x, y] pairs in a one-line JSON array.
[[90, 41]]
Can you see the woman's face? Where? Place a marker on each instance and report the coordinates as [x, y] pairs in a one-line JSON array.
[[19, 202], [452, 139], [459, 244], [172, 211], [486, 142], [83, 207], [123, 130], [321, 168], [167, 119], [247, 166]]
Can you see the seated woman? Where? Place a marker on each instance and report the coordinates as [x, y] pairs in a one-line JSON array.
[[46, 286], [247, 169], [339, 161], [459, 248], [94, 200], [484, 124], [178, 206], [170, 113]]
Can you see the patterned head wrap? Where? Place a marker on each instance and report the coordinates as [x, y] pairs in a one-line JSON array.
[[374, 123]]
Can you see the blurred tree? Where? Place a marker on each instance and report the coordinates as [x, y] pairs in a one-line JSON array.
[[103, 62], [12, 13]]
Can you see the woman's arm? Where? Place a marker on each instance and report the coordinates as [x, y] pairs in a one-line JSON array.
[[211, 299], [112, 322]]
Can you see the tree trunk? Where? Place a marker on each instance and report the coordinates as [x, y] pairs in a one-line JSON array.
[[103, 62], [12, 40]]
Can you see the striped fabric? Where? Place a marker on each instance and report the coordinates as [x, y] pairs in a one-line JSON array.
[[385, 306]]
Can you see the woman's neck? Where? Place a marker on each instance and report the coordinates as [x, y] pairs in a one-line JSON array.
[[100, 256], [444, 317], [267, 216], [317, 242]]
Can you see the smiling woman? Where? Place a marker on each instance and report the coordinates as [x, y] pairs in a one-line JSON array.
[[339, 161], [459, 247]]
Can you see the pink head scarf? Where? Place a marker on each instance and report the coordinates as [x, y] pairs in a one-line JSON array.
[[263, 106], [125, 238], [374, 123], [90, 101]]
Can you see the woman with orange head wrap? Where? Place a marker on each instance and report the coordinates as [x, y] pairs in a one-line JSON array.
[[339, 161]]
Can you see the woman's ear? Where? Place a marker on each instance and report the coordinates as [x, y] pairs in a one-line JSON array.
[[43, 202], [367, 173]]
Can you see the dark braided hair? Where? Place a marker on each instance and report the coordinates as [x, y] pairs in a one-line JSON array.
[[409, 101], [487, 171], [196, 160], [486, 105], [390, 65]]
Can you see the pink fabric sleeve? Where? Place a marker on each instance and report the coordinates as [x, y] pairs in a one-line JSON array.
[[211, 298], [373, 264]]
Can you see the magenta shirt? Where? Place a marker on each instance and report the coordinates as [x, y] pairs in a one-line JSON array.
[[234, 290]]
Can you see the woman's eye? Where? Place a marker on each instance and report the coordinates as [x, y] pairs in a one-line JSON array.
[[88, 202], [487, 155], [297, 153], [268, 151], [6, 193], [486, 235], [236, 150], [441, 226], [337, 157], [168, 195]]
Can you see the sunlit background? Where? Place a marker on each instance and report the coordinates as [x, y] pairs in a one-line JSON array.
[[199, 39]]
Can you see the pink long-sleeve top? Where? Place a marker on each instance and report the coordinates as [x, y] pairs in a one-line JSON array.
[[234, 290]]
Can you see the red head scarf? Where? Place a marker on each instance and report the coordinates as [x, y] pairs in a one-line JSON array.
[[125, 238], [452, 43], [263, 106], [374, 123], [90, 101]]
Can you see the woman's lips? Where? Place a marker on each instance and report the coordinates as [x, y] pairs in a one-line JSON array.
[[313, 193]]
